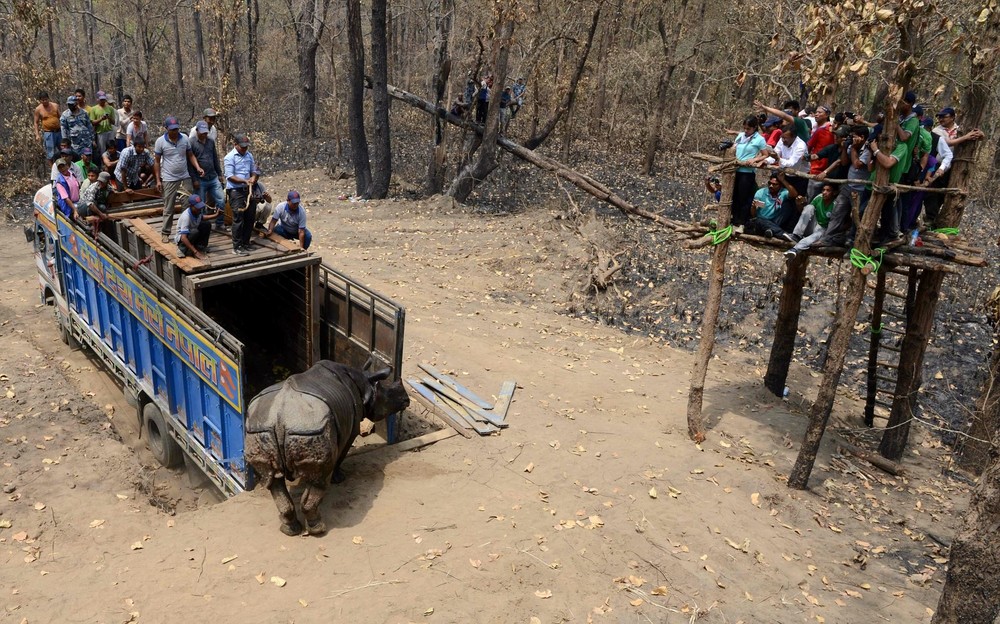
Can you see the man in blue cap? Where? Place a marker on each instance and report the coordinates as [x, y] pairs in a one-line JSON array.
[[171, 157], [289, 220], [75, 125], [193, 230]]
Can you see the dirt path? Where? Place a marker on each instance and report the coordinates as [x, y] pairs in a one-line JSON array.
[[592, 506]]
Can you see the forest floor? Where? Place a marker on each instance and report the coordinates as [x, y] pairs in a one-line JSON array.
[[592, 506]]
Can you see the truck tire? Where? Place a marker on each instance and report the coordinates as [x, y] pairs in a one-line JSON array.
[[67, 336], [164, 448]]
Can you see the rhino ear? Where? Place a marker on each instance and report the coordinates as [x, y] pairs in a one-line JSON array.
[[378, 376]]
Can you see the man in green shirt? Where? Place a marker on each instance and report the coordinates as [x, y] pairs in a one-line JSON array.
[[790, 115], [104, 117], [814, 219], [888, 232]]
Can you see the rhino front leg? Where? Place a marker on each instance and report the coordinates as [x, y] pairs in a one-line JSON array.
[[290, 525], [311, 498]]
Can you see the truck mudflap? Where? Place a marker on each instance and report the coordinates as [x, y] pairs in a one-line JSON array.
[[356, 323], [161, 347]]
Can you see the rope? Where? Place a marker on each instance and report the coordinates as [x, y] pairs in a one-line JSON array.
[[861, 261], [947, 231], [720, 236], [145, 260]]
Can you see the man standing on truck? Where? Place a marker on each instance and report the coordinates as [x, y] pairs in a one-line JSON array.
[[239, 171], [47, 126], [76, 126], [171, 156], [289, 220], [192, 230], [208, 184]]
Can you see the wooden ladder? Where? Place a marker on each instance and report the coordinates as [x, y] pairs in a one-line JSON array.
[[895, 291]]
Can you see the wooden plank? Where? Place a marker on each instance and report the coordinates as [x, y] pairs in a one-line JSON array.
[[429, 400], [470, 407], [138, 213], [124, 197], [152, 238], [407, 445], [504, 398], [454, 385], [283, 242], [478, 427]]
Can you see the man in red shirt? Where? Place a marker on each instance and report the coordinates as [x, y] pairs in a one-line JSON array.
[[821, 137]]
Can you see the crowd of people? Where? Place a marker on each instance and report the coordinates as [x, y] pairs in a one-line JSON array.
[[97, 150], [843, 147], [477, 96]]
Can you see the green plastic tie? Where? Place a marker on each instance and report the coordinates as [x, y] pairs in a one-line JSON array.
[[720, 236], [860, 260], [947, 231], [876, 332]]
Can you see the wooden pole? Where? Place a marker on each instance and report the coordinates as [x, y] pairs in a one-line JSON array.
[[843, 326], [876, 337], [786, 325], [717, 275]]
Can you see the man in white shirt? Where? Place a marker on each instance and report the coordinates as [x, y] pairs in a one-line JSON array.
[[171, 157], [791, 154]]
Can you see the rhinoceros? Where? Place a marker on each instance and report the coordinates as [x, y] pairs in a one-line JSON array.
[[303, 427]]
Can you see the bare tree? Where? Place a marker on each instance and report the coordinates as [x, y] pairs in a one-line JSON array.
[[381, 151], [442, 70], [309, 21], [356, 100]]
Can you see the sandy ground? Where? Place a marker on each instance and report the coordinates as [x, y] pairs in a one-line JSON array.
[[592, 506]]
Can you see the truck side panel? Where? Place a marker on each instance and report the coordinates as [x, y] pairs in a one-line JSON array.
[[169, 355]]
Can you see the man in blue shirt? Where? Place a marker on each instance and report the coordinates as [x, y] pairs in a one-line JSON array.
[[766, 208], [289, 220], [239, 169]]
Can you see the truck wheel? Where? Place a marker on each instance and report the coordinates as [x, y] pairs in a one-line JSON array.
[[67, 336], [164, 448]]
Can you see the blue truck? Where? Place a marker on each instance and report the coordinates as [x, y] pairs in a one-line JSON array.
[[193, 341]]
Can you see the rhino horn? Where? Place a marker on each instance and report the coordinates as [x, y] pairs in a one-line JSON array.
[[378, 376], [369, 363]]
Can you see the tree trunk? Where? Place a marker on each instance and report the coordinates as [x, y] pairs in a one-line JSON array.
[[567, 101], [179, 56], [717, 275], [847, 309], [786, 325], [972, 587], [486, 161], [442, 69], [307, 87], [669, 43], [253, 19], [381, 151], [199, 42], [49, 19], [356, 101], [91, 26]]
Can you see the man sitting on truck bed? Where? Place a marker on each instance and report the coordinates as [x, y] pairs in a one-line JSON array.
[[289, 220], [94, 199], [193, 229]]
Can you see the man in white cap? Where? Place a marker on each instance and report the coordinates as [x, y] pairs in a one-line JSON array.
[[94, 200], [171, 157], [208, 116], [192, 230], [105, 120]]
